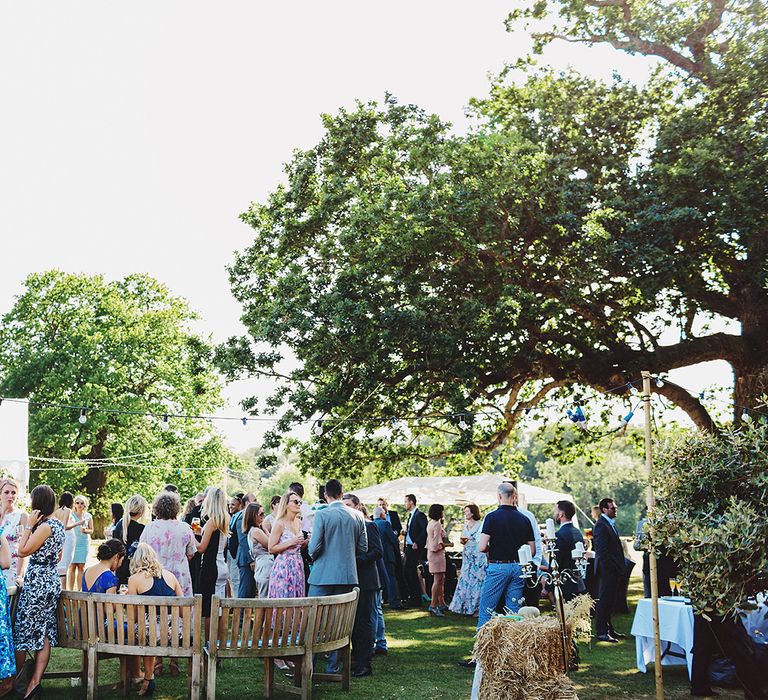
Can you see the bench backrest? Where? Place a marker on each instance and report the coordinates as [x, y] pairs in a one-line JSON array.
[[149, 625], [287, 626], [73, 620]]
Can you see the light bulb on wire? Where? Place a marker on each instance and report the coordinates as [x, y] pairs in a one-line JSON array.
[[745, 416], [83, 418], [244, 421], [659, 382], [165, 425], [463, 425]]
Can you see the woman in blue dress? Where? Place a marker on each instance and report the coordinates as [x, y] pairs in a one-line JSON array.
[[83, 527], [7, 659], [102, 576], [466, 599], [35, 628]]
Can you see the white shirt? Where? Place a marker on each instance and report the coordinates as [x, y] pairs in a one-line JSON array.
[[408, 539], [536, 535]]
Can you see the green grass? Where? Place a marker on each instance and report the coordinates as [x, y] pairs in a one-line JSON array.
[[422, 664]]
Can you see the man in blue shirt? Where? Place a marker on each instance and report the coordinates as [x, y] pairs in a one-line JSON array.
[[505, 530]]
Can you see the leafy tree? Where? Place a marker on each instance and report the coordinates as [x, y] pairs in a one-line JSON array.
[[711, 493], [79, 340], [458, 282]]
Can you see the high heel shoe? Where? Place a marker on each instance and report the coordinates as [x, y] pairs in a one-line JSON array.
[[436, 612], [147, 688], [36, 693]]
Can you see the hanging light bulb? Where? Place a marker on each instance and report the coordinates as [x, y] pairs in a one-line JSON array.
[[528, 410], [83, 418], [632, 389], [395, 424], [627, 418], [166, 423], [745, 416], [659, 382], [463, 425], [578, 417], [244, 421]]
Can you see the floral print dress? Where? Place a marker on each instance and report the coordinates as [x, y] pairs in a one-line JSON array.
[[466, 599], [173, 542], [286, 580], [36, 614], [7, 658]]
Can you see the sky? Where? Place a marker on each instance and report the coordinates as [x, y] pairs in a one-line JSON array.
[[133, 134]]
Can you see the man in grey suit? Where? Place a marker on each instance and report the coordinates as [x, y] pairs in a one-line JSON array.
[[338, 537]]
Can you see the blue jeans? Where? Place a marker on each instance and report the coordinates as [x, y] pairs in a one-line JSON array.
[[502, 582], [377, 622]]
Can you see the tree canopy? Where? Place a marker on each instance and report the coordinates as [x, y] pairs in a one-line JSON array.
[[581, 232], [125, 346]]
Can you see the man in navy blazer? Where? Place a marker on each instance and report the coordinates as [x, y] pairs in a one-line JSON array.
[[415, 548], [565, 540], [609, 566]]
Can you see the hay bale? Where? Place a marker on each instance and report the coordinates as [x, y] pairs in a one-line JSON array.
[[522, 659]]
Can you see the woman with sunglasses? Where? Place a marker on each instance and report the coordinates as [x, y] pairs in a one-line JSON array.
[[253, 522], [286, 580], [83, 526]]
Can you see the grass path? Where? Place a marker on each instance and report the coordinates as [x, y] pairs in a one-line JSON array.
[[422, 665]]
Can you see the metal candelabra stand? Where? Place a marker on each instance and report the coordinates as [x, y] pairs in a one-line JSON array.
[[556, 578]]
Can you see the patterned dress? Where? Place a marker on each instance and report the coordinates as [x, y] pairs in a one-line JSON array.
[[173, 541], [7, 658], [286, 580], [466, 599], [36, 614]]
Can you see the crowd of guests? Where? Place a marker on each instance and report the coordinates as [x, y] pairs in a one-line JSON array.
[[232, 546]]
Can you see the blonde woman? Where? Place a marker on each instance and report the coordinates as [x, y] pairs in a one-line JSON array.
[[83, 527], [213, 574], [286, 580], [128, 530], [12, 521], [148, 577]]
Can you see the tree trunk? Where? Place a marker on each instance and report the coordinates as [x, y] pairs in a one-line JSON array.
[[750, 386], [95, 479]]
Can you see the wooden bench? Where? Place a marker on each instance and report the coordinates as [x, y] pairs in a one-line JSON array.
[[108, 625], [271, 628]]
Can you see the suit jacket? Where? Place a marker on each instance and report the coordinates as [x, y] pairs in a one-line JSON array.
[[389, 541], [338, 536], [417, 528], [565, 539], [367, 570], [244, 557], [609, 554], [394, 521]]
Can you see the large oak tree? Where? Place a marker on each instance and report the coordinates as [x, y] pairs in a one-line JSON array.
[[581, 232]]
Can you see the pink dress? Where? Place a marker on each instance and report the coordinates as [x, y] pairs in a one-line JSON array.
[[286, 580], [435, 551], [173, 541]]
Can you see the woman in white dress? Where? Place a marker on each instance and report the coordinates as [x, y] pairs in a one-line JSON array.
[[64, 515], [12, 520]]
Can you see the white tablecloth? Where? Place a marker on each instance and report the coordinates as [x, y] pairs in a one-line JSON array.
[[676, 632]]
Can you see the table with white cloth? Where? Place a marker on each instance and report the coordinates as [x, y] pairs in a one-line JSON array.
[[675, 631]]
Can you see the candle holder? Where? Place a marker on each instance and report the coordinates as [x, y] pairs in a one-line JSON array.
[[556, 577]]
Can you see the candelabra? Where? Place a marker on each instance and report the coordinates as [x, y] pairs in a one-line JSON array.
[[554, 576]]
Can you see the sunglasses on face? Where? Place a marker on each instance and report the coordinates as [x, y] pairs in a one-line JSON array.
[[297, 501]]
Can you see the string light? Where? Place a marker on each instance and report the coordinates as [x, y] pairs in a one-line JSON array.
[[463, 425], [83, 418], [577, 416], [627, 418], [245, 422], [165, 425], [745, 416], [659, 382]]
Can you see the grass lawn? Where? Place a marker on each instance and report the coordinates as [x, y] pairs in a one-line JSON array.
[[422, 664]]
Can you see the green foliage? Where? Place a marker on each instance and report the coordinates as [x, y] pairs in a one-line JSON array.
[[126, 345], [278, 484], [564, 242], [711, 493]]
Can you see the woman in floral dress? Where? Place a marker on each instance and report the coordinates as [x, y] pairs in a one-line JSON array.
[[286, 580], [35, 629], [172, 539], [466, 599]]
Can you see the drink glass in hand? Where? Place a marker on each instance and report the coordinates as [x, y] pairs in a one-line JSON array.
[[195, 525], [123, 590]]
